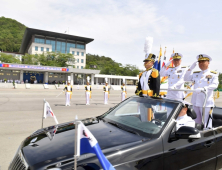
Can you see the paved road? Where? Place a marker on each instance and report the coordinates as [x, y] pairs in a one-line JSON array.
[[21, 112]]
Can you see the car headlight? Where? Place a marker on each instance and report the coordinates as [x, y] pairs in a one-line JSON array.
[[55, 169]]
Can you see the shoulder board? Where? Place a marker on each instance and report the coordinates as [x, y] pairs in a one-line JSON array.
[[71, 86], [154, 69], [214, 72], [171, 67], [184, 67], [65, 85], [90, 86], [196, 72], [85, 85]]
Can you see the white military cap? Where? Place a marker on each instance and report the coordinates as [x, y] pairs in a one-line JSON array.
[[202, 57], [124, 81], [176, 56], [148, 48]]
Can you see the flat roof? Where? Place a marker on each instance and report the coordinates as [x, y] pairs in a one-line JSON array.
[[31, 31], [116, 76]]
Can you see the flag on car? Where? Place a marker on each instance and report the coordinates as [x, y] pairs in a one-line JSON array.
[[48, 112], [87, 143]]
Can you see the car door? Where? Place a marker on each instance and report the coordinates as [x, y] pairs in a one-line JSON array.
[[189, 154], [217, 115]]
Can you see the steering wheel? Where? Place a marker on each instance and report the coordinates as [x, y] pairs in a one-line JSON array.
[[157, 122]]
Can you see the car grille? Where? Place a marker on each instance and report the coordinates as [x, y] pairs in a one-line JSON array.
[[18, 163]]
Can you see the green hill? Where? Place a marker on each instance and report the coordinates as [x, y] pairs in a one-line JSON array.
[[109, 66], [11, 34]]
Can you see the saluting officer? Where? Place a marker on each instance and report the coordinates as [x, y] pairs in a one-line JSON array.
[[123, 93], [88, 90], [175, 77], [204, 80], [68, 90]]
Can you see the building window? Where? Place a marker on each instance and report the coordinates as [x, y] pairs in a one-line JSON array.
[[77, 66], [73, 52], [39, 40], [80, 46], [51, 42], [42, 48], [77, 53], [36, 48], [70, 45], [77, 60], [82, 53], [47, 49], [82, 60], [81, 67]]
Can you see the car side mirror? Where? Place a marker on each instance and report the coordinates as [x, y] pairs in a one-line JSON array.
[[186, 132]]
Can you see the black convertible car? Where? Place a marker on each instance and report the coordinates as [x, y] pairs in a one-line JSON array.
[[136, 134]]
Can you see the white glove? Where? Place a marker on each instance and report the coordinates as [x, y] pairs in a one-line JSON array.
[[169, 63], [198, 90], [193, 65]]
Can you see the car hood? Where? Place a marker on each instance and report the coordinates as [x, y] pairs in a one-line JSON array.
[[45, 149]]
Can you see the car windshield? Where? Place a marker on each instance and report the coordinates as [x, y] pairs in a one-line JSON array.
[[144, 116]]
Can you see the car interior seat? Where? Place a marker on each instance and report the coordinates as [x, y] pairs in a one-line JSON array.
[[192, 114]]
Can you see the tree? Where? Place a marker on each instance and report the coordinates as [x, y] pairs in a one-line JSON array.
[[49, 59], [5, 58], [11, 34], [109, 66]]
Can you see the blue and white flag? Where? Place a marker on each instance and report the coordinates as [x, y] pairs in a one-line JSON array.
[[87, 143]]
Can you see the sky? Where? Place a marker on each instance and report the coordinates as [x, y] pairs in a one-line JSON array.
[[119, 28]]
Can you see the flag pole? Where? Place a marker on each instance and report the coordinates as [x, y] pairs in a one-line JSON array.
[[43, 111], [75, 143]]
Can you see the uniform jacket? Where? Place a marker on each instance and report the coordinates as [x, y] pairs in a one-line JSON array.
[[185, 121], [175, 80], [88, 88], [68, 88], [152, 78], [106, 88], [123, 88], [203, 79]]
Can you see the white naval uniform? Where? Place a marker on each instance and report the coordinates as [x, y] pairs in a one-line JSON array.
[[203, 79], [68, 93], [185, 121], [144, 79], [123, 94], [175, 81], [87, 94], [106, 94]]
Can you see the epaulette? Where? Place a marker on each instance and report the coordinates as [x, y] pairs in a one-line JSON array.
[[184, 67], [90, 86], [155, 73], [214, 72], [85, 85], [65, 85], [196, 72]]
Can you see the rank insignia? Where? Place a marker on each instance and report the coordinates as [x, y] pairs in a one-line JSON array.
[[209, 76], [179, 71], [178, 76]]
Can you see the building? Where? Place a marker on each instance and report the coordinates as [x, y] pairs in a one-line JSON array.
[[39, 41], [16, 55]]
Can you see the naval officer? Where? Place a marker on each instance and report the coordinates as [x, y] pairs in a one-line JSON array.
[[149, 80], [204, 80], [123, 93], [68, 93], [106, 91], [88, 90], [183, 119], [175, 77]]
